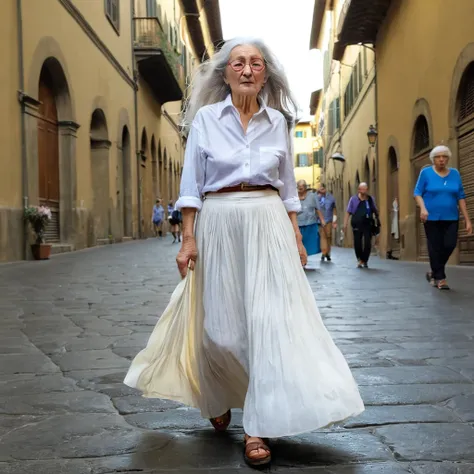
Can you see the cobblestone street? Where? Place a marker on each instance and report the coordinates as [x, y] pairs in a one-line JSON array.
[[69, 327]]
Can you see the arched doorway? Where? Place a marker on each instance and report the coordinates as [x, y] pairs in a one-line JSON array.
[[145, 207], [421, 145], [48, 153], [154, 168], [465, 128], [393, 202], [100, 145], [164, 188], [160, 172], [125, 180], [170, 179], [367, 171]]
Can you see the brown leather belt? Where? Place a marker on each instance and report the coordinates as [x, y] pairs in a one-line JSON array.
[[245, 187]]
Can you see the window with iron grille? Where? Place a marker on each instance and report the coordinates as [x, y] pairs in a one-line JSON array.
[[422, 135], [466, 94], [112, 12]]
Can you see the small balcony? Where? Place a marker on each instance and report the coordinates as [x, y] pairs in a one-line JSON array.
[[158, 62], [360, 21]]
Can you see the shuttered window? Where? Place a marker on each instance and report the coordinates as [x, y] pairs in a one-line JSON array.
[[334, 117], [302, 159], [112, 12]]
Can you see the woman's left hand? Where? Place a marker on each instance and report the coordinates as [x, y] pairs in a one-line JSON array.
[[302, 252], [469, 227]]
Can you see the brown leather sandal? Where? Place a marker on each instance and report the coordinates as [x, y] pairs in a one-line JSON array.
[[260, 443], [443, 285], [221, 423]]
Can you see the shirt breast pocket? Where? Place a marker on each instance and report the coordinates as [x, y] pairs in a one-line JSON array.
[[270, 161]]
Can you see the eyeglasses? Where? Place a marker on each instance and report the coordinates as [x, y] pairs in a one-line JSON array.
[[256, 65]]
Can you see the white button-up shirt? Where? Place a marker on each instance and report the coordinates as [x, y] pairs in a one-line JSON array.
[[220, 154]]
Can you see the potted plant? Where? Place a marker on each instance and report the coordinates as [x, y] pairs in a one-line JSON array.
[[38, 217]]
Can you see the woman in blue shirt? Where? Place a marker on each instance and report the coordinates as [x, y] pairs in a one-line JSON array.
[[439, 194]]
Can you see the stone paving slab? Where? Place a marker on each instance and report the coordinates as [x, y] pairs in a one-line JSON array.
[[26, 384], [56, 402], [434, 442], [442, 468], [65, 349]]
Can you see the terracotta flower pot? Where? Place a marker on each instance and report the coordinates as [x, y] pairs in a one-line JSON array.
[[41, 251]]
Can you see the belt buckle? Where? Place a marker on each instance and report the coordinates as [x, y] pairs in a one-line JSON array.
[[243, 186]]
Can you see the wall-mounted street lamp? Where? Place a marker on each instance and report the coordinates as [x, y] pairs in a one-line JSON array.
[[372, 135]]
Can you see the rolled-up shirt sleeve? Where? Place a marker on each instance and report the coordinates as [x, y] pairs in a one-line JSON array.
[[192, 179], [420, 185], [289, 193], [351, 206]]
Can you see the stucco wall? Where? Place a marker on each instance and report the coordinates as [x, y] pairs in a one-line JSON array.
[[10, 177]]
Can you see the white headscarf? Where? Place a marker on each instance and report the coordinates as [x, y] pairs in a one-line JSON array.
[[440, 150]]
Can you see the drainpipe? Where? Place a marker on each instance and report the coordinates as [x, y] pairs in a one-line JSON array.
[[135, 104], [21, 93]]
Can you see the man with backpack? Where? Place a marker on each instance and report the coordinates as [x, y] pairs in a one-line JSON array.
[[365, 223]]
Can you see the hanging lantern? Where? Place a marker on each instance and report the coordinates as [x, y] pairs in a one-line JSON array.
[[372, 135]]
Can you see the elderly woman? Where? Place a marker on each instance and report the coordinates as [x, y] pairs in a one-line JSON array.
[[308, 220], [242, 330], [439, 194]]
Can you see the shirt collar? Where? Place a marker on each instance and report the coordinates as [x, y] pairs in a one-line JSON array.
[[227, 104]]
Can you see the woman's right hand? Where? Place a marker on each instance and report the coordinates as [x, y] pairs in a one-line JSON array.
[[187, 255], [424, 215]]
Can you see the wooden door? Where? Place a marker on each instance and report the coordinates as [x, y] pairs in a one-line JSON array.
[[422, 244], [466, 168], [48, 155]]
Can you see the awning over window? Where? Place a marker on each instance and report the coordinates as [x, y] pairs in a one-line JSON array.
[[360, 21]]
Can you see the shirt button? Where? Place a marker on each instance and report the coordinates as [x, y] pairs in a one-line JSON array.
[[246, 164], [247, 146]]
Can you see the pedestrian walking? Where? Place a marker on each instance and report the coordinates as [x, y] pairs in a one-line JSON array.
[[307, 219], [440, 195], [157, 218], [175, 219], [327, 204], [365, 223], [242, 330]]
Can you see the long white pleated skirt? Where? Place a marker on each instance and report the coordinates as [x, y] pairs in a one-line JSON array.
[[243, 329]]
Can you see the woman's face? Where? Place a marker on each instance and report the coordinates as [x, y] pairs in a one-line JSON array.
[[441, 161], [245, 70]]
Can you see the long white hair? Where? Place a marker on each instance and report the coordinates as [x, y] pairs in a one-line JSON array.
[[208, 86]]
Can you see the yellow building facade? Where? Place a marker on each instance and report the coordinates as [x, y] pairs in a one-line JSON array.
[[344, 109], [425, 97], [418, 92], [306, 146], [91, 95]]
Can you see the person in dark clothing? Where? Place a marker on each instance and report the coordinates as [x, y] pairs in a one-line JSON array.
[[364, 216]]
